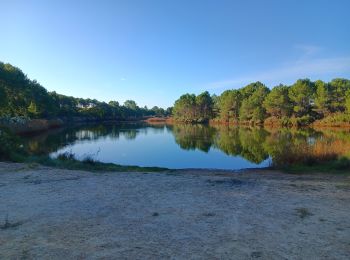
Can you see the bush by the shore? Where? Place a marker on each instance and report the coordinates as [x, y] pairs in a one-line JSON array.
[[337, 120], [21, 125], [10, 145]]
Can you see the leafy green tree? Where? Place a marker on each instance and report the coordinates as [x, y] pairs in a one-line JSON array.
[[338, 88], [114, 108], [347, 101], [277, 102], [216, 108], [184, 108], [169, 111], [252, 108], [158, 111], [20, 96], [131, 104], [3, 99], [323, 97], [229, 104], [204, 106], [301, 94], [192, 108]]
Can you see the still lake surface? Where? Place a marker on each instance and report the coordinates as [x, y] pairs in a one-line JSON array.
[[190, 146]]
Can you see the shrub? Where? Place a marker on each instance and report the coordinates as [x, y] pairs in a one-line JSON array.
[[336, 119], [66, 156], [10, 146], [89, 159]]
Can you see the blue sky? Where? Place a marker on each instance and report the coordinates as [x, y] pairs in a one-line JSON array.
[[154, 51]]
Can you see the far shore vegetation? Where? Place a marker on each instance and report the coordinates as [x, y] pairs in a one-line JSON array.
[[304, 103], [22, 97]]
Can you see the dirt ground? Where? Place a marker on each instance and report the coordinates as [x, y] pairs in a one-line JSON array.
[[50, 213]]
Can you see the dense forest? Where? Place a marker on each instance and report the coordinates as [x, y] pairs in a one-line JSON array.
[[20, 96], [300, 104]]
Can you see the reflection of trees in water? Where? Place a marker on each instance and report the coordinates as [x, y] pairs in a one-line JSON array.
[[227, 140], [251, 141], [253, 144], [130, 134], [191, 137], [56, 139], [257, 144], [245, 142], [305, 146]]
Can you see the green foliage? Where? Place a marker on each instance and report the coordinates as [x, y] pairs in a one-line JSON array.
[[204, 106], [323, 97], [20, 96], [338, 88], [347, 101], [131, 104], [10, 146], [301, 121], [229, 104], [301, 94], [297, 105], [3, 97], [335, 119], [251, 108], [87, 164], [158, 111], [18, 93], [341, 166], [33, 109], [277, 102], [192, 108]]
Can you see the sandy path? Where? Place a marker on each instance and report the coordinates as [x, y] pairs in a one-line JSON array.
[[61, 214]]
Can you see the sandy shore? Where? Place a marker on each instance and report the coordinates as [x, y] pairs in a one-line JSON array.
[[49, 213]]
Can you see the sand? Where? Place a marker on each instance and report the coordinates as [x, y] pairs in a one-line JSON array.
[[48, 213]]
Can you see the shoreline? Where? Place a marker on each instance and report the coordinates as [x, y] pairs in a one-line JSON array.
[[55, 213], [33, 126]]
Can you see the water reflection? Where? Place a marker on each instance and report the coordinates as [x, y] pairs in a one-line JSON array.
[[209, 146]]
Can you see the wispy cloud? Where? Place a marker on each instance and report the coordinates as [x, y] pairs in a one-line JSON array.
[[308, 50], [122, 79], [306, 66]]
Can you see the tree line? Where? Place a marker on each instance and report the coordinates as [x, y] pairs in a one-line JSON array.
[[301, 103], [20, 96]]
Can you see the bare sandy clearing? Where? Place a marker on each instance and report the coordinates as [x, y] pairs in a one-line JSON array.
[[62, 214]]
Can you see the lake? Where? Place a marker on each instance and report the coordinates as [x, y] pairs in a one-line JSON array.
[[192, 146]]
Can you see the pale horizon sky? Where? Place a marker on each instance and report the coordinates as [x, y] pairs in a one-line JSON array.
[[154, 51]]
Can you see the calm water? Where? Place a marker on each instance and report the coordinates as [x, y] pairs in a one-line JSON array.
[[190, 146]]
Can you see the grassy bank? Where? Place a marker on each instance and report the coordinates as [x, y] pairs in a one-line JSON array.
[[68, 161], [336, 166]]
